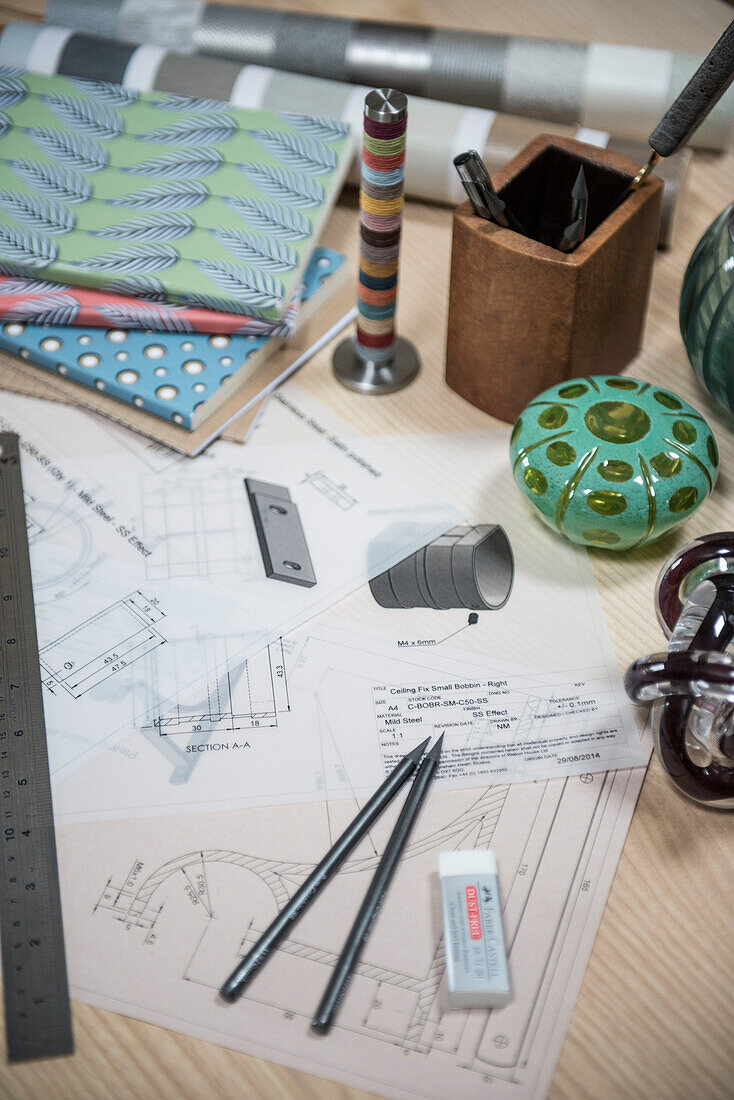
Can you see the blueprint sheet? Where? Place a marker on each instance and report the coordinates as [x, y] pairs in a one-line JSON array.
[[530, 691], [148, 575], [157, 912], [158, 909]]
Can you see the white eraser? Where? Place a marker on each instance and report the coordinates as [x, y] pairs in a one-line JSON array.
[[472, 861], [476, 963]]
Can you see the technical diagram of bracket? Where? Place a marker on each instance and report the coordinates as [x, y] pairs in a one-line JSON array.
[[468, 567], [280, 533]]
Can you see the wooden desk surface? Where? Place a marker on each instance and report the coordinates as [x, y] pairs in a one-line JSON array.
[[654, 1017]]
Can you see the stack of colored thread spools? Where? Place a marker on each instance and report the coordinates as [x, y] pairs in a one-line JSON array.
[[376, 360]]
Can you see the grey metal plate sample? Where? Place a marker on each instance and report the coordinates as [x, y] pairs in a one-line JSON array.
[[280, 534], [483, 568]]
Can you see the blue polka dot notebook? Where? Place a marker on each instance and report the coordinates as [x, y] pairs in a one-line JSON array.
[[182, 377]]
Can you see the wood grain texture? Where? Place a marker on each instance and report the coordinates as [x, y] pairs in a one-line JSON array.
[[653, 1020], [523, 316]]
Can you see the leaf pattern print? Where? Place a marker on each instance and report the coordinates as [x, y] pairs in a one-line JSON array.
[[43, 215], [254, 248], [112, 94], [190, 103], [94, 119], [194, 130], [155, 227], [145, 317], [256, 288], [11, 70], [182, 164], [275, 220], [154, 257], [165, 196], [21, 248], [71, 151], [55, 183], [209, 301], [256, 328], [312, 157], [25, 286], [12, 91], [321, 129], [50, 309], [287, 187], [11, 269], [160, 174], [139, 286]]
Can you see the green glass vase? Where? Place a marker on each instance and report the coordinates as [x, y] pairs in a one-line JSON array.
[[707, 309]]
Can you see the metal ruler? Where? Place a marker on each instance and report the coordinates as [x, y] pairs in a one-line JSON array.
[[37, 1008]]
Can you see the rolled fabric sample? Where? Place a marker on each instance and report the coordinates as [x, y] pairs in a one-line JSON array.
[[438, 131], [594, 84]]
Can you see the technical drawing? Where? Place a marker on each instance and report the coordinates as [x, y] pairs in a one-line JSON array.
[[245, 697], [68, 566], [553, 837], [102, 645], [33, 527], [325, 485], [471, 567], [200, 525], [115, 899], [156, 456], [280, 533], [248, 695]]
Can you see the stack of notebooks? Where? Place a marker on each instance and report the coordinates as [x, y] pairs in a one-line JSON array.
[[157, 250]]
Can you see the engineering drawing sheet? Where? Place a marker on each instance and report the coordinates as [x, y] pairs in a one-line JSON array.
[[529, 691], [149, 578], [181, 680], [164, 908]]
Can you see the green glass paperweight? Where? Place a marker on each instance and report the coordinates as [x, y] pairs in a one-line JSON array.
[[612, 462], [707, 309]]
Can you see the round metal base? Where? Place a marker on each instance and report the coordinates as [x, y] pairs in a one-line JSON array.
[[373, 376]]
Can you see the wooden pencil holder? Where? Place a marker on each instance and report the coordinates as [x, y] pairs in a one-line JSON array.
[[524, 316]]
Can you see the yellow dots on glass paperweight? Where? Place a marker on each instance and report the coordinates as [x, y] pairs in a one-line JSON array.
[[612, 462]]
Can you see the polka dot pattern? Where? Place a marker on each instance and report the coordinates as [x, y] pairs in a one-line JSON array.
[[157, 372], [168, 374], [560, 453], [613, 462]]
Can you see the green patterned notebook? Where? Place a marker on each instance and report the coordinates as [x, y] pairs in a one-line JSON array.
[[160, 196]]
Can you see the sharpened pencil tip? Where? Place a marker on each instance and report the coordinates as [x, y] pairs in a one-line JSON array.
[[579, 189], [435, 753], [418, 751]]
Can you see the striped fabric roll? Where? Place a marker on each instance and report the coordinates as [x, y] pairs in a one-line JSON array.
[[438, 131], [381, 203], [598, 85]]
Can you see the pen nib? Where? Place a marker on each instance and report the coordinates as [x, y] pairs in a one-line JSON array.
[[579, 189]]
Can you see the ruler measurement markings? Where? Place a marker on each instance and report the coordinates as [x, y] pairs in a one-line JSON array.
[[38, 1021]]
